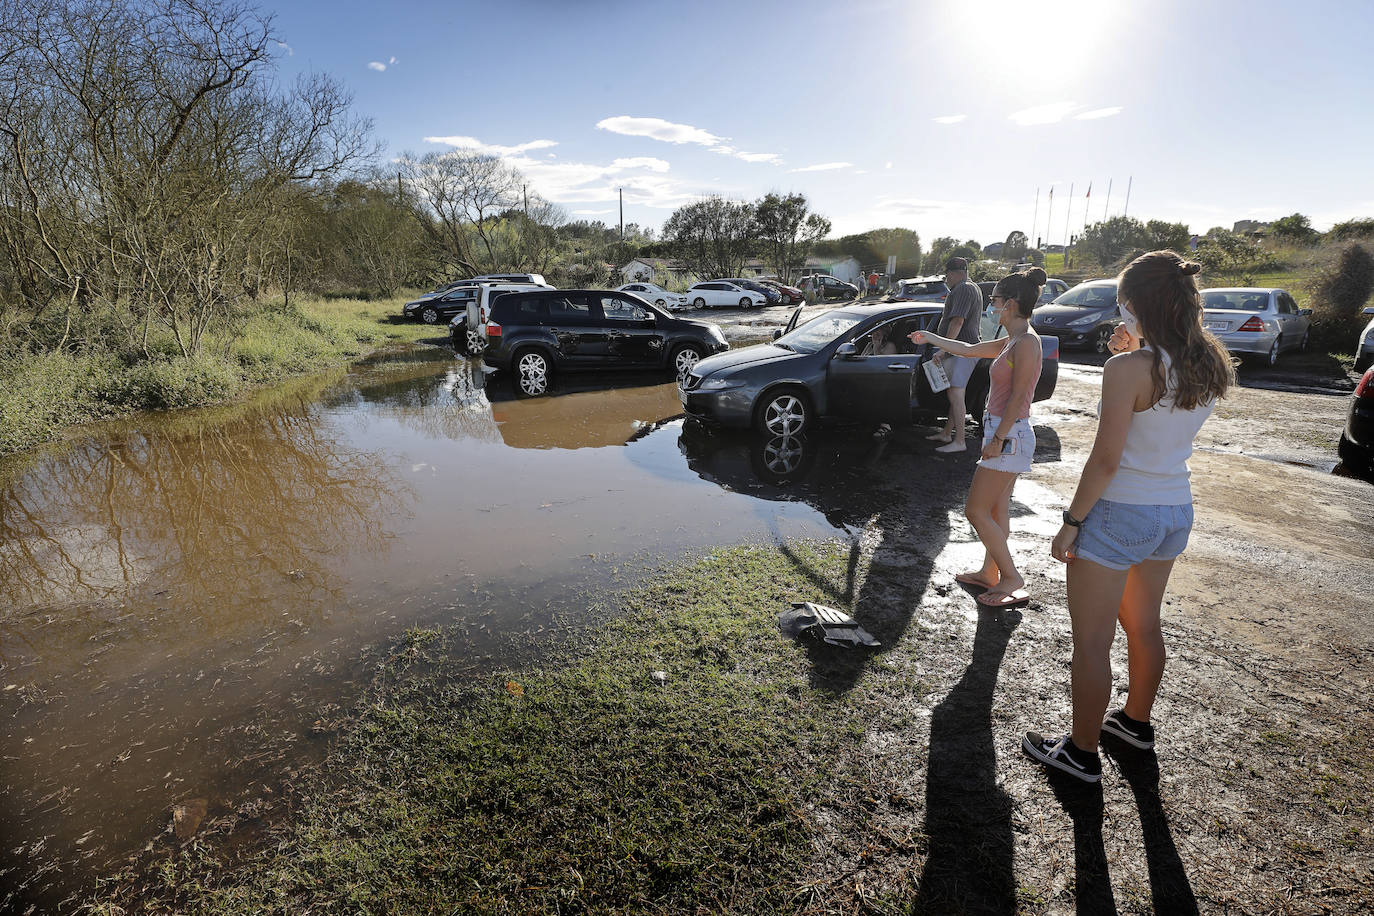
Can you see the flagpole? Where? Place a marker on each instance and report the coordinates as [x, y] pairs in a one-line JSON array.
[[1087, 201], [1067, 215], [1036, 218], [1109, 199], [1049, 216], [1129, 182]]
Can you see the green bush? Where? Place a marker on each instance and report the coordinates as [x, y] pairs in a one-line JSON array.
[[1343, 286]]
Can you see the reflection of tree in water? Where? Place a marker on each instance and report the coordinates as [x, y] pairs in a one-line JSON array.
[[440, 400], [224, 523]]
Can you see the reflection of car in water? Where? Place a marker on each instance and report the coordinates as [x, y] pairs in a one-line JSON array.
[[829, 368], [583, 414]]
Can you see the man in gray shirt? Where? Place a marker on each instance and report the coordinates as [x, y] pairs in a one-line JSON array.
[[960, 320]]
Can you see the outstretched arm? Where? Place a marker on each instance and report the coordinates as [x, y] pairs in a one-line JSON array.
[[985, 348]]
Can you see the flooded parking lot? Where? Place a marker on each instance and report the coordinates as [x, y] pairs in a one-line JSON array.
[[186, 603]]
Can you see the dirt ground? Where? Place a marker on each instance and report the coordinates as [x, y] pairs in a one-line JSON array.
[[1259, 798]]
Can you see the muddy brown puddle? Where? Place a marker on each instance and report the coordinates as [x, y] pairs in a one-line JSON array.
[[189, 601]]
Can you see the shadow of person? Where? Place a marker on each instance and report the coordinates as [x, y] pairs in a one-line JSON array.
[[1082, 802], [1047, 447], [968, 867], [1169, 886]]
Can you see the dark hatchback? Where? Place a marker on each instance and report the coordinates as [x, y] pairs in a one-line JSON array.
[[1356, 447], [1085, 316], [533, 335], [820, 370]]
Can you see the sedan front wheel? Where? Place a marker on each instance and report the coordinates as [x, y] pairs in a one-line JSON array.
[[784, 413]]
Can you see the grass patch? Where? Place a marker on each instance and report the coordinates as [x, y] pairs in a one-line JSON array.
[[583, 787], [41, 395]]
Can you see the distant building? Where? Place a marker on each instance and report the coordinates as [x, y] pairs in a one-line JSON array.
[[994, 250], [666, 271], [1249, 227], [846, 268]]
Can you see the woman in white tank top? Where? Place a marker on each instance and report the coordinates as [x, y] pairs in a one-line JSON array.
[[1133, 510]]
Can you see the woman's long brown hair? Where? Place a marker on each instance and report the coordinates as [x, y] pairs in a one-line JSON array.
[[1163, 293]]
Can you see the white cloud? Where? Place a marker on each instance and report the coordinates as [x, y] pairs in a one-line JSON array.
[[1044, 114], [1098, 113], [658, 129], [491, 149], [725, 150], [950, 119], [641, 162], [593, 212], [823, 167], [376, 65], [861, 171], [290, 52], [392, 61]]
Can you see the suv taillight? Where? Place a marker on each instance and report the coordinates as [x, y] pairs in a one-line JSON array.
[[493, 330], [1365, 389], [1252, 324]]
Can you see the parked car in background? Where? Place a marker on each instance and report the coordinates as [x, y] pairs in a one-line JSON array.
[[1364, 350], [534, 333], [721, 293], [440, 304], [1085, 316], [531, 279], [652, 292], [1255, 321], [1054, 288], [467, 329], [828, 287], [921, 289], [820, 369], [771, 296], [1356, 446], [790, 294]]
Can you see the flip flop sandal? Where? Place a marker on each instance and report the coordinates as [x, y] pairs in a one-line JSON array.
[[995, 598], [967, 579]]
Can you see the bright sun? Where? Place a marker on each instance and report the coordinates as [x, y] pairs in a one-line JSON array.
[[1050, 42]]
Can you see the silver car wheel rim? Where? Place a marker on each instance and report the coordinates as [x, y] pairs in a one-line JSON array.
[[475, 342], [784, 415], [686, 360], [429, 316], [534, 374]]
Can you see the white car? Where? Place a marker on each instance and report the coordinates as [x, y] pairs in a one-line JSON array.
[[1364, 352], [468, 329], [651, 292], [717, 293]]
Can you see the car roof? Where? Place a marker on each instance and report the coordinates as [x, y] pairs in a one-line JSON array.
[[1243, 289], [922, 280], [906, 308]]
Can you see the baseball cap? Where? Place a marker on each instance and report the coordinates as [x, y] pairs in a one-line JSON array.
[[956, 264]]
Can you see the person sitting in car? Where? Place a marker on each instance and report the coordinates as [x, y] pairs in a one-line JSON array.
[[880, 343]]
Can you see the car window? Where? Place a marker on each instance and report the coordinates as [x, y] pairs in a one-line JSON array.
[[818, 332], [569, 308], [1085, 296], [889, 338], [1240, 300], [617, 309], [518, 310]]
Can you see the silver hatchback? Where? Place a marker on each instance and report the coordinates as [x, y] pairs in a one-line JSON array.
[[1258, 322]]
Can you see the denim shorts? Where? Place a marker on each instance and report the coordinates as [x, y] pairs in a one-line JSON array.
[[1024, 437], [1120, 535]]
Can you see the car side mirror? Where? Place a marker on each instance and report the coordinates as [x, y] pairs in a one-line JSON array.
[[1307, 311], [776, 333], [847, 351], [1368, 311]]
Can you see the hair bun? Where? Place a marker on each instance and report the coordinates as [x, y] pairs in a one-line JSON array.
[[1037, 276], [1188, 268]]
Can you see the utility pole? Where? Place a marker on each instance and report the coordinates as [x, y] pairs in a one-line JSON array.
[[526, 195], [622, 213]]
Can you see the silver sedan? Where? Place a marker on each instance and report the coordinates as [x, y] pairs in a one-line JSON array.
[[1257, 322]]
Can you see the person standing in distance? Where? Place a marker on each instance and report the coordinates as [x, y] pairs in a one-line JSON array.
[[1133, 510], [958, 321]]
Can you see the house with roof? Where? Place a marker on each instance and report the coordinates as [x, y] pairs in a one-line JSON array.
[[669, 273]]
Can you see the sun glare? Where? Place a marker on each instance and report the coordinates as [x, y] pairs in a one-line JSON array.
[[1056, 41]]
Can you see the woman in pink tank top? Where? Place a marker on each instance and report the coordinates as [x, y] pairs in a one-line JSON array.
[[1008, 440]]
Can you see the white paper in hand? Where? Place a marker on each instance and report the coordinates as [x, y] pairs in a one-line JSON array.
[[935, 374]]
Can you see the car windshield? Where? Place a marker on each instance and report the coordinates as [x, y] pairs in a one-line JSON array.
[[818, 332], [1091, 297], [912, 289], [1242, 300]]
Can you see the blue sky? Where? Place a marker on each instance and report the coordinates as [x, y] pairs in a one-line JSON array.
[[943, 116]]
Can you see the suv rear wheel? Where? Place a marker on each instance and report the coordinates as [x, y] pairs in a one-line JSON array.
[[532, 371], [476, 343]]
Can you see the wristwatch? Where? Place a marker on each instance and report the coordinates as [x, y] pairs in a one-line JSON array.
[[1071, 521]]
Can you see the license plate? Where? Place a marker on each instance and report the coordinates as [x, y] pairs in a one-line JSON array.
[[1216, 325], [682, 396]]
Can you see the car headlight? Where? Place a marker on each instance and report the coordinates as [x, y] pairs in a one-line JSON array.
[[1084, 322], [718, 384]]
